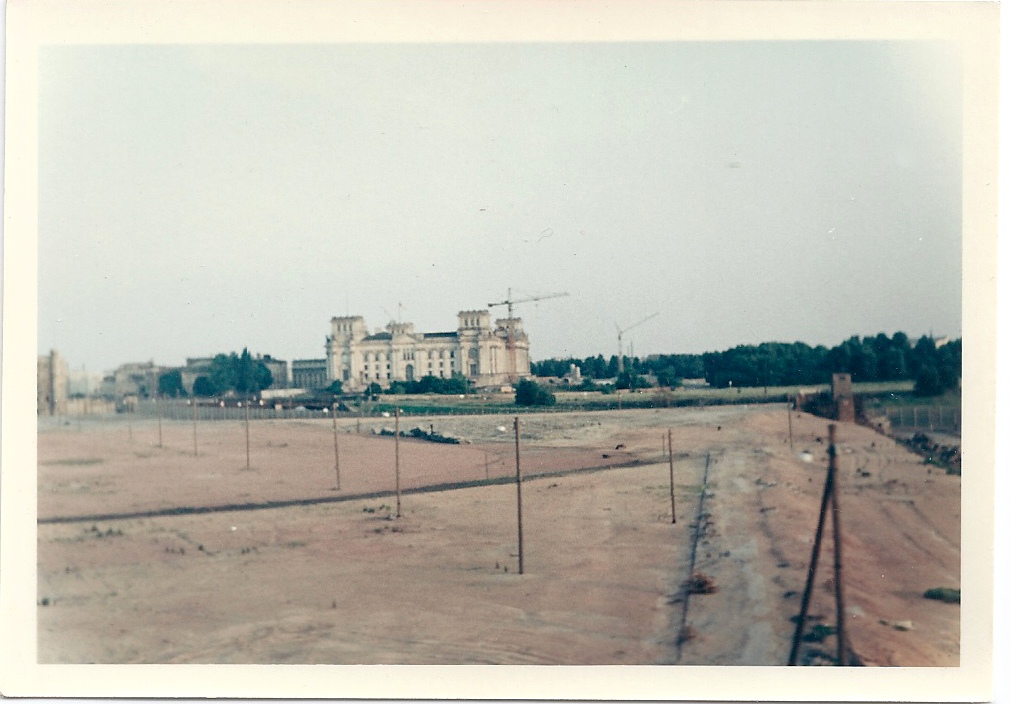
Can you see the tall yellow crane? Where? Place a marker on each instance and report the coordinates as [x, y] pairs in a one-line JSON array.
[[510, 339], [620, 334]]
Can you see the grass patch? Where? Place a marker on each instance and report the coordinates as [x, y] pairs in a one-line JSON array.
[[944, 594], [75, 462]]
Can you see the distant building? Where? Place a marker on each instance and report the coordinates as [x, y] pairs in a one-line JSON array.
[[278, 370], [194, 369], [133, 379], [200, 366], [841, 394], [574, 375], [309, 374], [486, 355], [53, 384], [82, 383]]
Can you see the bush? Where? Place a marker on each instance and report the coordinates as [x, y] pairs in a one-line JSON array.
[[630, 380], [203, 386], [530, 393], [949, 596], [927, 382], [457, 384]]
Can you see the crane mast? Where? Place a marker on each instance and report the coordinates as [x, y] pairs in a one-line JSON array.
[[620, 334], [510, 345]]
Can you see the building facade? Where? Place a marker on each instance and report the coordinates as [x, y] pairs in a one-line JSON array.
[[133, 379], [309, 374], [486, 354], [278, 371], [52, 384]]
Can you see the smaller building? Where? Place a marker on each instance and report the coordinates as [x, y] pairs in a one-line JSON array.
[[194, 369], [309, 374], [278, 370], [52, 384], [134, 379], [841, 394], [574, 375]]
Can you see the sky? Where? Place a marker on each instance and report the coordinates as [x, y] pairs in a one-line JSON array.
[[196, 199]]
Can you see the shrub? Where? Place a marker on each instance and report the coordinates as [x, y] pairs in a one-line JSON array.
[[530, 393], [944, 594]]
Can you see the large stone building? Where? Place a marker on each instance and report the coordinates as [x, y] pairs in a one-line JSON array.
[[486, 355]]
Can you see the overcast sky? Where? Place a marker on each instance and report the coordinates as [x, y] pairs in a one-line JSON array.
[[202, 199]]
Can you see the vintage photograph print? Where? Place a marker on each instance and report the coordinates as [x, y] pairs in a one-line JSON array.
[[380, 344]]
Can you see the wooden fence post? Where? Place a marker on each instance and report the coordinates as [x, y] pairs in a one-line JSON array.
[[519, 497], [336, 448], [247, 462], [673, 501], [836, 530], [789, 410], [815, 553], [396, 443]]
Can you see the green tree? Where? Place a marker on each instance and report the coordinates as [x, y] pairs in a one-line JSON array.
[[530, 393], [170, 384], [204, 386], [239, 373], [222, 372], [611, 367], [631, 380], [668, 377], [927, 383]]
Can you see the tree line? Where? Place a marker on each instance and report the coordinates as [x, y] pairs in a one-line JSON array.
[[873, 358]]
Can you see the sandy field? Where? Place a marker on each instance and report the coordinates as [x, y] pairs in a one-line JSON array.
[[154, 554]]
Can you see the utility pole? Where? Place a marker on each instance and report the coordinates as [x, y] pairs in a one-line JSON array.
[[247, 402], [673, 500], [195, 452], [336, 448], [830, 496], [519, 497], [396, 444]]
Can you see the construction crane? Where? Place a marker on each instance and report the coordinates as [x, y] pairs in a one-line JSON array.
[[399, 315], [620, 335], [509, 338]]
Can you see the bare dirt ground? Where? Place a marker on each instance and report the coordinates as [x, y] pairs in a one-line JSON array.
[[333, 577]]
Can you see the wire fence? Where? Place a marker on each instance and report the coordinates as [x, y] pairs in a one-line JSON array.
[[946, 419]]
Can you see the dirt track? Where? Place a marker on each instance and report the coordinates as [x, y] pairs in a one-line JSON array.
[[347, 583]]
